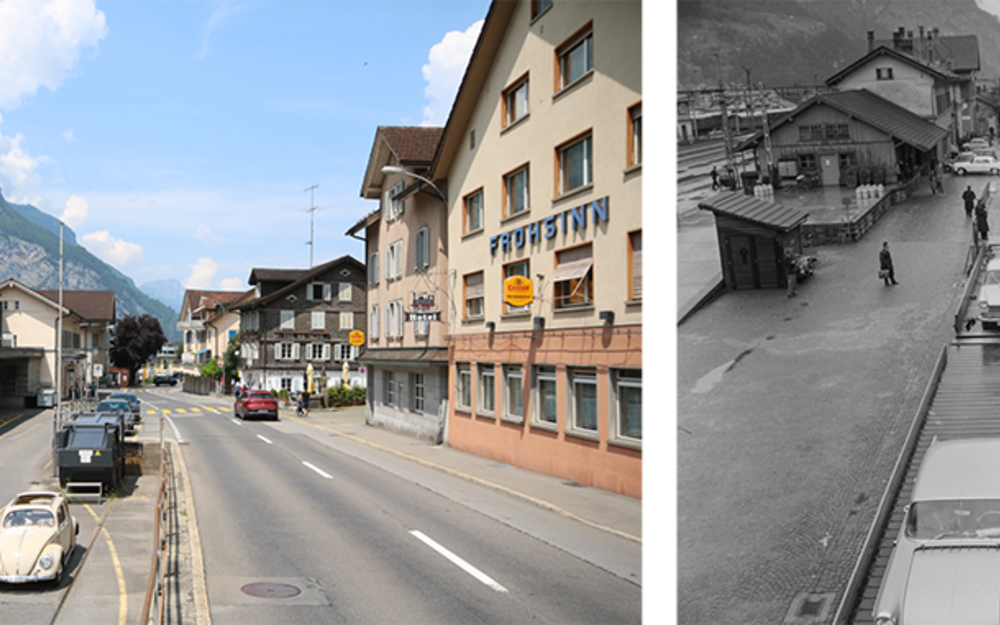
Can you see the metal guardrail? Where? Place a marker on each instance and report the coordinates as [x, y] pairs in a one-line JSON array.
[[152, 607]]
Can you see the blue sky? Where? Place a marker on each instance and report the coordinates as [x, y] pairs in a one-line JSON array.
[[178, 139]]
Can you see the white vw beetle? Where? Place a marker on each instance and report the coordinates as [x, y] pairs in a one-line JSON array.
[[37, 537]]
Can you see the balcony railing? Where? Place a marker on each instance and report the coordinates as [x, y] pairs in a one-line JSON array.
[[194, 324]]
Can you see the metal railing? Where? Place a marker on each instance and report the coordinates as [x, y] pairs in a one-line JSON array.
[[153, 606]]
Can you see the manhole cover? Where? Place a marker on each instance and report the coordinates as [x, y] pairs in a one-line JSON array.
[[269, 590]]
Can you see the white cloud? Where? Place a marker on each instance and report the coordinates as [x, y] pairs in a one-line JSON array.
[[224, 9], [233, 284], [205, 235], [40, 42], [115, 251], [69, 136], [76, 211], [444, 71], [201, 274]]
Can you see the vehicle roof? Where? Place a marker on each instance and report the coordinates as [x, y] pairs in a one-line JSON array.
[[268, 393], [34, 499], [994, 264], [960, 469], [114, 395]]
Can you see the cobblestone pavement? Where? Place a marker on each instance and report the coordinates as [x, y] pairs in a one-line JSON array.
[[791, 412]]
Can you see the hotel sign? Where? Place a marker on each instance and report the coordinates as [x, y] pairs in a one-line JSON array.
[[570, 220]]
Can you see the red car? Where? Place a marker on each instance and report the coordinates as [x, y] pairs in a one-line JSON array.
[[256, 404]]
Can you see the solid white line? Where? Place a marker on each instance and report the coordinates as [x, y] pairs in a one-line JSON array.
[[177, 433], [462, 564], [318, 470], [264, 439]]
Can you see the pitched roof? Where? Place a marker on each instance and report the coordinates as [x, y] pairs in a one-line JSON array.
[[305, 275], [89, 305], [193, 298], [263, 274], [873, 110], [749, 208], [413, 144], [883, 51]]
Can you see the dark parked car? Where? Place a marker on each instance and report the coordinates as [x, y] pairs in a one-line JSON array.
[[133, 402], [256, 404], [164, 379]]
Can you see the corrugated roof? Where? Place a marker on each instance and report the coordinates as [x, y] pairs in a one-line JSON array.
[[749, 208], [873, 110], [89, 305]]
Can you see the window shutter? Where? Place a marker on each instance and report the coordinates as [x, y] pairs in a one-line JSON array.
[[474, 286], [374, 268], [387, 205], [296, 351], [388, 262], [277, 351], [399, 318], [309, 292], [326, 351], [327, 292], [653, 274], [399, 259]]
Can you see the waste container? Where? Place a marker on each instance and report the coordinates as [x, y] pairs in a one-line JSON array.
[[749, 179], [45, 398]]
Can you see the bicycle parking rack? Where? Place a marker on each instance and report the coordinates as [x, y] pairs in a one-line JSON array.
[[84, 491]]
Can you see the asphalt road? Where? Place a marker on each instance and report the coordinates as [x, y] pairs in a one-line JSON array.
[[301, 526], [791, 413]]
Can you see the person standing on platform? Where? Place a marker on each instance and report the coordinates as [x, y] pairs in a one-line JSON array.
[[715, 178], [886, 269], [982, 223]]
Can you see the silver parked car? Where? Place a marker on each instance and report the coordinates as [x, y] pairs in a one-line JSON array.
[[945, 566], [979, 165]]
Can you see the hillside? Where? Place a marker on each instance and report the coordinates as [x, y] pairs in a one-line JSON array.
[[788, 42], [29, 253]]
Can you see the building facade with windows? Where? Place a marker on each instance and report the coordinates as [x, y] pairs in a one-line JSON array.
[[207, 323], [294, 321], [28, 330], [542, 158], [406, 353]]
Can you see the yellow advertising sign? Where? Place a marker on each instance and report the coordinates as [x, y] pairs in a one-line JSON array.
[[356, 338], [518, 291]]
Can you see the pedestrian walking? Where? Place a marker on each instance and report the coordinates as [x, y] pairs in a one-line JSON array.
[[886, 270], [791, 272], [939, 177], [982, 223], [715, 178], [970, 200]]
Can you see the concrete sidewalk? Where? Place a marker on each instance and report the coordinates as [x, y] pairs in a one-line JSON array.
[[617, 514]]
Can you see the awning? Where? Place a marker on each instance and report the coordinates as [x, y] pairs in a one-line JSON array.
[[429, 355], [574, 270], [202, 351]]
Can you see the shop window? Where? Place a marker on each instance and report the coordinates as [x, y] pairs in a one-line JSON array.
[[545, 394], [473, 214], [474, 295], [515, 192], [652, 137], [652, 265], [575, 164], [487, 389], [573, 278], [645, 403], [583, 398]]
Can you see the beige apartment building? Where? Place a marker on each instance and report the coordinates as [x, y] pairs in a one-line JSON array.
[[406, 350], [541, 160], [29, 321], [207, 322]]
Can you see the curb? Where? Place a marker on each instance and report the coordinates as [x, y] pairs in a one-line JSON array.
[[199, 586]]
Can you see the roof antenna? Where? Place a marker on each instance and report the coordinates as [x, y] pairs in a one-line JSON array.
[[312, 214]]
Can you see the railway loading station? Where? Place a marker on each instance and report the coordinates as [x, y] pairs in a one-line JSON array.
[[961, 402]]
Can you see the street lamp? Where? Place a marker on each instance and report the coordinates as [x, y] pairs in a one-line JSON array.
[[392, 169]]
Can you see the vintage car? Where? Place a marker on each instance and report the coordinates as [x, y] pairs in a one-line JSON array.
[[945, 564], [976, 143], [962, 157], [37, 537], [978, 165], [256, 404], [989, 295]]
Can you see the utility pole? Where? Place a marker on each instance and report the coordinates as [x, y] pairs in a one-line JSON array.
[[725, 124], [312, 214]]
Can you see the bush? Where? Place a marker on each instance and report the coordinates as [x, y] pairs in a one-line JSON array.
[[283, 394], [339, 395], [358, 394]]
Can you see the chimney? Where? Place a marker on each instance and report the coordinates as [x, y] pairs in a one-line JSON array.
[[871, 40]]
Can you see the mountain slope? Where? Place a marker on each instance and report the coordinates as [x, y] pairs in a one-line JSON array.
[[29, 253], [788, 42], [170, 292]]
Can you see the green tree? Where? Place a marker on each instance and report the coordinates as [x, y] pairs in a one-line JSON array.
[[231, 359], [135, 341], [211, 369]]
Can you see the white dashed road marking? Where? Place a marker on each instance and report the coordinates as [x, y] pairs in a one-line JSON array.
[[462, 564]]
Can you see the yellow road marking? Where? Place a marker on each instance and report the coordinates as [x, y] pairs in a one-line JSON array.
[[195, 409], [122, 596], [180, 410], [165, 411], [150, 412]]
